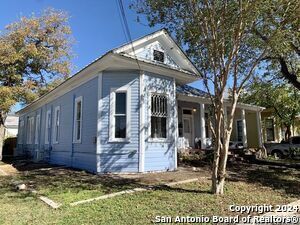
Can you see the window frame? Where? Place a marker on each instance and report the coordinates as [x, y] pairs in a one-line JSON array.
[[56, 126], [48, 126], [77, 99], [30, 130], [273, 129], [112, 99], [37, 128], [167, 138], [237, 129]]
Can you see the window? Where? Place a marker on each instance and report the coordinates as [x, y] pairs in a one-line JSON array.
[[56, 123], [159, 113], [30, 125], [206, 125], [270, 129], [48, 127], [78, 120], [158, 56], [120, 114], [239, 126], [37, 129]]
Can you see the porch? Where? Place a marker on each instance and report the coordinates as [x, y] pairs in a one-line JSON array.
[[194, 131]]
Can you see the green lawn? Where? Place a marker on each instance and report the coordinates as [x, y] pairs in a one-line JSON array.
[[138, 208]]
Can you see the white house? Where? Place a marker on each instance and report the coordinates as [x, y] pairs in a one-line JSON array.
[[127, 111]]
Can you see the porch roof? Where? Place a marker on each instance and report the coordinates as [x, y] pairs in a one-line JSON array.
[[191, 94]]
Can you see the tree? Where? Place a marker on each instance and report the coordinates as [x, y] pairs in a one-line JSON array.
[[219, 36], [34, 51], [279, 28], [283, 99]]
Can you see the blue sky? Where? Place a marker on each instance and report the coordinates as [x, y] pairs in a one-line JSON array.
[[96, 24]]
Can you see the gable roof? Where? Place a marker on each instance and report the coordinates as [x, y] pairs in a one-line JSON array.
[[169, 44], [122, 58]]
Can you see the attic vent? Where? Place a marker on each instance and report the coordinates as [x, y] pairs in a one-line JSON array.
[[158, 56]]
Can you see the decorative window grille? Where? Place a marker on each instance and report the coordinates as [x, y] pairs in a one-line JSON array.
[[159, 113]]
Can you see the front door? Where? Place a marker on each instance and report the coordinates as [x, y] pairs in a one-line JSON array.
[[187, 129]]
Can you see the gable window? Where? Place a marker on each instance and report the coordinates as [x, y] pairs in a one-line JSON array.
[[78, 120], [270, 129], [37, 129], [158, 56], [159, 114], [120, 114], [48, 127], [56, 124], [30, 127]]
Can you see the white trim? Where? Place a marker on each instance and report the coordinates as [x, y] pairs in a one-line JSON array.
[[112, 99], [203, 100], [78, 99], [202, 124], [99, 124], [56, 109], [142, 124], [167, 41], [168, 122], [259, 131], [37, 128], [30, 130], [48, 126], [175, 125], [112, 60], [245, 141]]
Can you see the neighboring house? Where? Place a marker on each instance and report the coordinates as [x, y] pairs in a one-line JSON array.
[[274, 132], [11, 126], [128, 111]]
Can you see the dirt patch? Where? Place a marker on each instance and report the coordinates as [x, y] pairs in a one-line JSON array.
[[7, 170], [182, 173]]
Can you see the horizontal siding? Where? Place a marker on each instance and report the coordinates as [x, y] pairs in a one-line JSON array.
[[119, 157], [159, 155], [65, 152]]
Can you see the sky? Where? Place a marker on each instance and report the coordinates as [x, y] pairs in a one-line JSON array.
[[96, 24]]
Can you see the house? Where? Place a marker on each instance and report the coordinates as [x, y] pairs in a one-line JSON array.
[[273, 131], [11, 125], [128, 111]]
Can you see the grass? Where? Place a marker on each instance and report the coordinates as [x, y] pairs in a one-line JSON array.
[[191, 199]]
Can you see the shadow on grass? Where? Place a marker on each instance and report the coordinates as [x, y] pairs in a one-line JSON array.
[[285, 179]]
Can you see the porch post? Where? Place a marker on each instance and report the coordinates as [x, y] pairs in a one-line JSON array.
[[202, 124], [258, 121], [244, 128]]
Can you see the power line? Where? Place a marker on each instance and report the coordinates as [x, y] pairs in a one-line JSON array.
[[125, 28]]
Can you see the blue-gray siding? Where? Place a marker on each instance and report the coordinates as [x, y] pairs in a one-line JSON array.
[[65, 152], [159, 155], [114, 156]]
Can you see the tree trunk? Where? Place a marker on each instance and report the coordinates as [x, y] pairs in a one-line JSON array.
[[2, 130], [288, 133]]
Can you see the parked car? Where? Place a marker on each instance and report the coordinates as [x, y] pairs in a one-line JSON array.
[[284, 149]]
